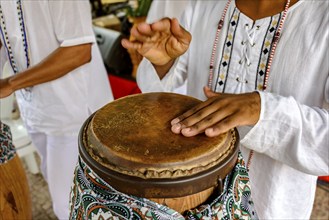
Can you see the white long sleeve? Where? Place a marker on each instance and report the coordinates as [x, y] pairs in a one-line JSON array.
[[295, 134]]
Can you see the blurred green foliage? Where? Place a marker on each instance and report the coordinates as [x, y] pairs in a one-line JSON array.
[[141, 10]]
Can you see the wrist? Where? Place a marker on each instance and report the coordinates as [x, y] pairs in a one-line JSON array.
[[5, 88], [162, 70], [256, 106], [11, 83]]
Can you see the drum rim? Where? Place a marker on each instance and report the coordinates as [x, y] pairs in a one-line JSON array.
[[160, 188]]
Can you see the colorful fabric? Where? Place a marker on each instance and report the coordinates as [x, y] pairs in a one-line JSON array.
[[7, 149], [93, 198], [264, 55]]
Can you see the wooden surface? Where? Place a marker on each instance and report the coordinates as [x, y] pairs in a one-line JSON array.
[[182, 204], [15, 200]]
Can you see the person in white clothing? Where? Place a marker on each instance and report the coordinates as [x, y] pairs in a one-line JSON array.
[[58, 78], [167, 8], [261, 66]]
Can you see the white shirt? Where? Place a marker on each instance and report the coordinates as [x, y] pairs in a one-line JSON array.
[[166, 8], [62, 105], [171, 9], [290, 139]]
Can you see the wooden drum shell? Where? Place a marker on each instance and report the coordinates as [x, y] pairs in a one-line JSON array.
[[15, 200]]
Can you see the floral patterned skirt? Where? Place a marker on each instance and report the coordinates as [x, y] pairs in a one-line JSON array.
[[7, 149], [93, 198]]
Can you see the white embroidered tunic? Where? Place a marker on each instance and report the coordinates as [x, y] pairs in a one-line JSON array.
[[59, 106], [290, 139]]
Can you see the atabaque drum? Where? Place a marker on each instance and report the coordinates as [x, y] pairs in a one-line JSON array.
[[129, 144], [15, 199]]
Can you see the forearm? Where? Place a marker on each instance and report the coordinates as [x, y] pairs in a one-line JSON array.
[[62, 61]]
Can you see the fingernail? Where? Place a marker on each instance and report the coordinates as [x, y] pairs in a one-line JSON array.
[[174, 121], [210, 132], [176, 128], [186, 130]]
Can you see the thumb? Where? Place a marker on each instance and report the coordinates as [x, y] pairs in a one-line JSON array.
[[207, 91]]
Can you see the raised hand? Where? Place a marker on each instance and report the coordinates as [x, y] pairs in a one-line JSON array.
[[160, 42], [218, 114]]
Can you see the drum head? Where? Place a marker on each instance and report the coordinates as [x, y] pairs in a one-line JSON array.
[[130, 140]]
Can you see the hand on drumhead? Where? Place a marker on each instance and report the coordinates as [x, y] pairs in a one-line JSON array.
[[219, 114], [160, 42]]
